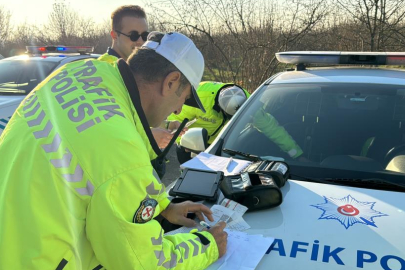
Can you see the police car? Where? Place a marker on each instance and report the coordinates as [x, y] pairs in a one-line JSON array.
[[344, 204], [20, 74]]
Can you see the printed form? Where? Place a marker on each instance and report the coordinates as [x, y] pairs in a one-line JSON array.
[[244, 251], [205, 161], [232, 218]]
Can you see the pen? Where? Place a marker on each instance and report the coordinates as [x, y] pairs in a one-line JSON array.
[[205, 224], [229, 163]]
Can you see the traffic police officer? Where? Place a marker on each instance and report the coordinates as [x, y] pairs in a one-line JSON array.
[[221, 101], [216, 115], [77, 189]]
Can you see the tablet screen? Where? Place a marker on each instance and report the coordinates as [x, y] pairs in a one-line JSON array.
[[199, 183]]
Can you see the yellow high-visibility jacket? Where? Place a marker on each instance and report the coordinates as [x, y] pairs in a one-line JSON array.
[[158, 163], [214, 119], [153, 148], [77, 189]]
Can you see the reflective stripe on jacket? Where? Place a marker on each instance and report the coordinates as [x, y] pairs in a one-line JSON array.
[[77, 188]]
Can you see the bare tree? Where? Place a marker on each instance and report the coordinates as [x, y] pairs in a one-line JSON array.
[[5, 25], [381, 18], [63, 23], [239, 38], [25, 35]]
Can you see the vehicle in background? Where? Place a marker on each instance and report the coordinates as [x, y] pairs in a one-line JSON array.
[[344, 203], [19, 75]]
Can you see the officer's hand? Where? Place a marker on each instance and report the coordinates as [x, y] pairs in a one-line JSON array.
[[174, 125], [176, 213], [221, 237], [162, 136]]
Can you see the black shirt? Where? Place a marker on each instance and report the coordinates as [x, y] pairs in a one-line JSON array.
[[112, 52]]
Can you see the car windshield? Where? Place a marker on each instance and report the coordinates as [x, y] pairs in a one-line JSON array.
[[20, 77], [351, 127]]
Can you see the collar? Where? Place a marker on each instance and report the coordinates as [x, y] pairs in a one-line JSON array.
[[112, 52], [133, 92]]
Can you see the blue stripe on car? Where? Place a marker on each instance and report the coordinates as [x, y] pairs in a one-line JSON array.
[[5, 121]]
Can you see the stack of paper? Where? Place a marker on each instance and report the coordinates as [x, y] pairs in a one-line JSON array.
[[236, 222], [205, 161], [233, 219], [243, 251]]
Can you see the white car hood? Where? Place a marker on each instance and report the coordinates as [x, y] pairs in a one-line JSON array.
[[6, 101], [8, 105], [322, 226]]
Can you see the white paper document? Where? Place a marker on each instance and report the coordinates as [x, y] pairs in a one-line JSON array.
[[243, 252], [236, 222], [237, 207], [219, 213], [205, 161], [189, 123], [233, 220]]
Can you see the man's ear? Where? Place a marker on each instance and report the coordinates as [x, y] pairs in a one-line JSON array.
[[171, 82], [113, 34]]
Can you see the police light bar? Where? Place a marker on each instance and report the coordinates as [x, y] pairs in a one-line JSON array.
[[59, 49], [342, 58]]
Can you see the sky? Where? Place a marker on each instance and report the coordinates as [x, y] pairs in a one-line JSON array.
[[37, 11]]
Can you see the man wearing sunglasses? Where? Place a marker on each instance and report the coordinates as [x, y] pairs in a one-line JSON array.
[[129, 30]]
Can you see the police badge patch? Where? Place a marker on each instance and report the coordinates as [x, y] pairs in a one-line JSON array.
[[145, 211]]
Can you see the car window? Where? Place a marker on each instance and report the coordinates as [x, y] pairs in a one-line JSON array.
[[358, 127], [20, 77]]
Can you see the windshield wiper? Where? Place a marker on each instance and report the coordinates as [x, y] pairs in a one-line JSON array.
[[246, 155], [366, 182]]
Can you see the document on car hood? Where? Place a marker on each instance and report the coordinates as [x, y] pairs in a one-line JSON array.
[[232, 218], [208, 162], [243, 251]]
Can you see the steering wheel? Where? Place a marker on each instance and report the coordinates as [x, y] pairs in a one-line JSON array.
[[393, 152]]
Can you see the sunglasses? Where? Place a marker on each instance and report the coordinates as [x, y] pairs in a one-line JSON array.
[[134, 35]]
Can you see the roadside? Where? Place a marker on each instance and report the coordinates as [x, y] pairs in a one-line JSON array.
[[172, 167]]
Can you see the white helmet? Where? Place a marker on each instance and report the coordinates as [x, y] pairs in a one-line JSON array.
[[195, 139], [231, 98]]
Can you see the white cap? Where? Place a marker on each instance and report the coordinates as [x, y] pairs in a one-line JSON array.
[[181, 52], [231, 98]]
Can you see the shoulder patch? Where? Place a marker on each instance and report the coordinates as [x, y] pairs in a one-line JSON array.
[[145, 211]]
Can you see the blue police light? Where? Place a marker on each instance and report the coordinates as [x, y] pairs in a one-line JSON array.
[[59, 49]]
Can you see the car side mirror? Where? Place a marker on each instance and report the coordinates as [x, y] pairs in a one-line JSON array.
[[195, 140]]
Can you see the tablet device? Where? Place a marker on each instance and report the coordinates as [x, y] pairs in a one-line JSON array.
[[197, 184]]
